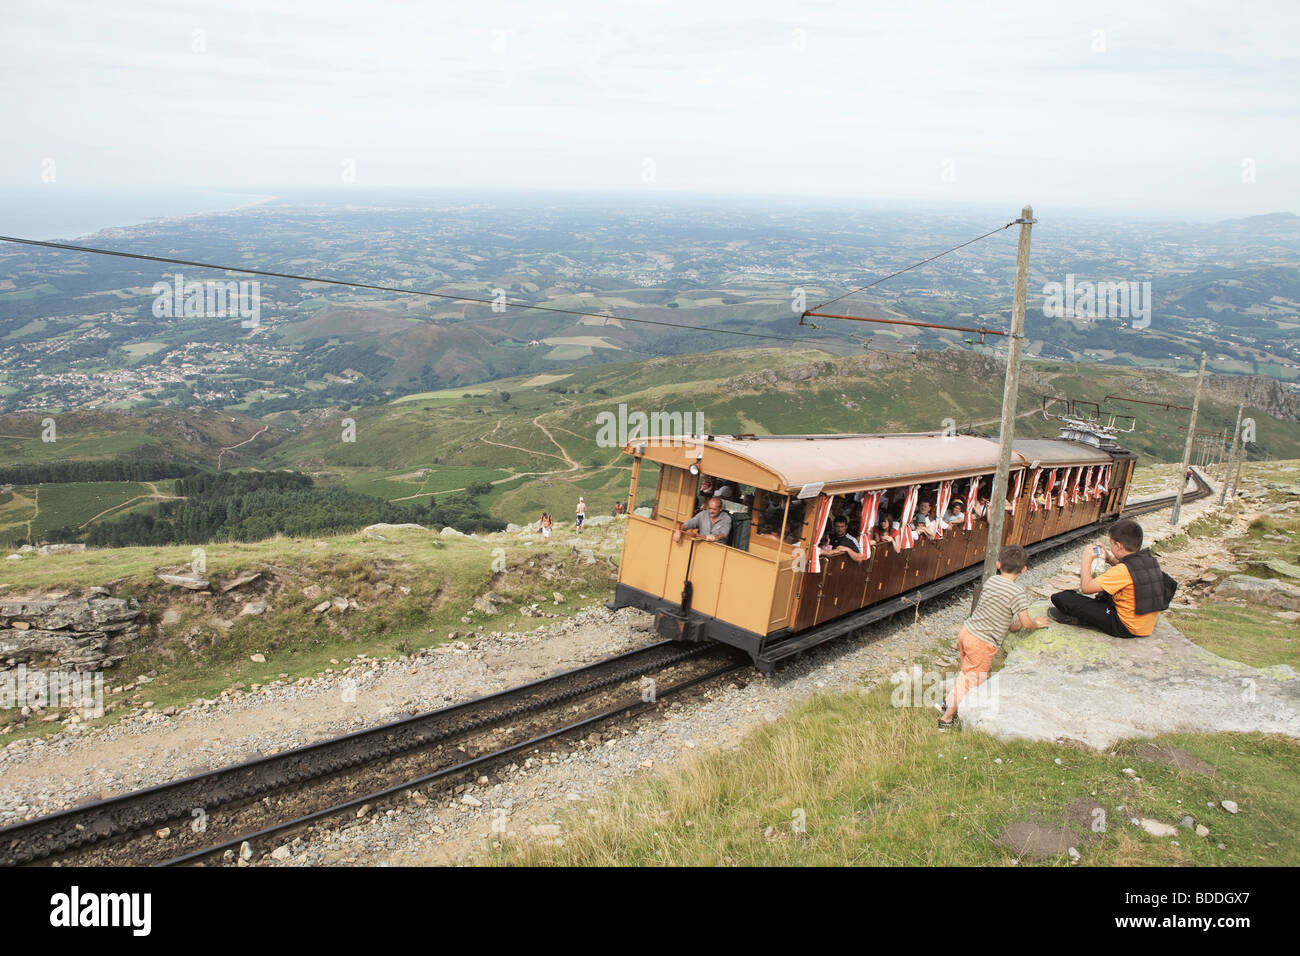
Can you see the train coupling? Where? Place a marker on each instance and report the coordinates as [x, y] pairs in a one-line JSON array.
[[673, 626]]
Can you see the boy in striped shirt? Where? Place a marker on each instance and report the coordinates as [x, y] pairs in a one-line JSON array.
[[1003, 606]]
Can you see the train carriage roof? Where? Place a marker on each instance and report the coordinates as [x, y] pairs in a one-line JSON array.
[[1054, 452], [844, 463]]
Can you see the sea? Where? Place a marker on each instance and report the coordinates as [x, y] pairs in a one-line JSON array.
[[59, 212]]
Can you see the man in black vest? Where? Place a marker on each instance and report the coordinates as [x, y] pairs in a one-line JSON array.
[[1128, 597]]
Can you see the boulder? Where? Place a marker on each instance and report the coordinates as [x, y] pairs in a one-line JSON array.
[[60, 549], [192, 582], [240, 581], [253, 608], [489, 603], [63, 629], [372, 531], [1273, 593]]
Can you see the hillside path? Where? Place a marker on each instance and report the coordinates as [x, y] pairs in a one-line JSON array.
[[240, 445]]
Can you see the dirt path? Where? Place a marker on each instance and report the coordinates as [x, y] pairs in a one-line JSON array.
[[156, 496], [36, 509], [240, 445], [563, 456], [573, 465]]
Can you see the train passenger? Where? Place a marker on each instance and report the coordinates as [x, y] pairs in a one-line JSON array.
[[955, 514], [886, 532], [711, 487], [711, 524], [1003, 606], [924, 521], [839, 541]]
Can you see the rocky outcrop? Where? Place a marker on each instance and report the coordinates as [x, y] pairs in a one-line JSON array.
[[179, 578], [1271, 592], [1258, 392], [84, 631]]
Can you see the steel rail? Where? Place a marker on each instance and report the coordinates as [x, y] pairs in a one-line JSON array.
[[470, 764], [65, 830]]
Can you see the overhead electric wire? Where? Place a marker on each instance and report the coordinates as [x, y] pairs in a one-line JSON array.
[[385, 288], [818, 308]]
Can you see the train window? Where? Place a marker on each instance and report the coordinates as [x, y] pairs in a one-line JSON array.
[[767, 512]]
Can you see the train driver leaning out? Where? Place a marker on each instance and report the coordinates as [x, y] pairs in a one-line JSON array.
[[711, 524]]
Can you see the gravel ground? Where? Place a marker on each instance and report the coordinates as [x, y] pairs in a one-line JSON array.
[[44, 775], [446, 826]]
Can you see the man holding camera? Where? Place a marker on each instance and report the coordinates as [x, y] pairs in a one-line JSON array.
[[1124, 600]]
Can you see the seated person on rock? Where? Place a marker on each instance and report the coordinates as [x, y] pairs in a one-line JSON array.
[[1128, 597], [839, 541], [711, 524]]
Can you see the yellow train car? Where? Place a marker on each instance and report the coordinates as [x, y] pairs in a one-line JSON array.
[[771, 586]]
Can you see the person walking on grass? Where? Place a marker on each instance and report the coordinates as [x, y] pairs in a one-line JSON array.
[[1003, 606], [581, 515]]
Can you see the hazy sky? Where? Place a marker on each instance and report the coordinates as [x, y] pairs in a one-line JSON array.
[[1177, 107]]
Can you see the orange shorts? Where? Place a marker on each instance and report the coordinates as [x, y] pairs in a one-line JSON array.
[[976, 654]]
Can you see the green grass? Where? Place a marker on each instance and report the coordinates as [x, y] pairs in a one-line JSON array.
[[877, 785], [74, 503], [1252, 635], [199, 656]]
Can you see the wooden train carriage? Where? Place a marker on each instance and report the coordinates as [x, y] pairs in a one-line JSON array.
[[767, 590]]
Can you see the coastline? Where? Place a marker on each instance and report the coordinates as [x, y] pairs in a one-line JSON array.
[[80, 214]]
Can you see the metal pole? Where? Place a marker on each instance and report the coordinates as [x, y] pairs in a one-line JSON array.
[[1227, 465], [1010, 392], [1187, 449]]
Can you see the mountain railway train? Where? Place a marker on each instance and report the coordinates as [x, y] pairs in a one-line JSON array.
[[768, 588]]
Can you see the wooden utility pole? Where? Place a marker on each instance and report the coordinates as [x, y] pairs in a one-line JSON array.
[[1010, 392], [1187, 449], [1227, 465], [1241, 456]]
